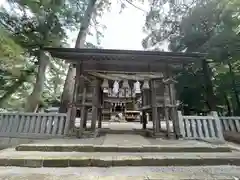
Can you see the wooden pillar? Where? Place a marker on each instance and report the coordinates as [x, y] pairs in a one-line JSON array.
[[83, 108], [166, 109], [100, 109], [85, 119], [144, 120], [95, 103], [176, 125], [72, 107], [100, 118], [154, 106]]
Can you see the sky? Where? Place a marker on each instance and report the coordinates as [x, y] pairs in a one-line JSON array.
[[124, 30]]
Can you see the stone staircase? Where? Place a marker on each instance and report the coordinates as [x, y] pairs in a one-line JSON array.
[[70, 153]]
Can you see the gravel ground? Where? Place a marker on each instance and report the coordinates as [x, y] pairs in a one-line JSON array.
[[120, 173]]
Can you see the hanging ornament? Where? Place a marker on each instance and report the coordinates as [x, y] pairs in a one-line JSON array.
[[146, 85], [125, 84], [115, 87], [137, 88], [105, 86]]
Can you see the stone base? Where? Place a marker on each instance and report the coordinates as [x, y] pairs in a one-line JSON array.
[[115, 148], [126, 160]]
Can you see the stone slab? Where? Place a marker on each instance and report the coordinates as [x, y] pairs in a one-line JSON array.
[[122, 173], [119, 148], [78, 159]]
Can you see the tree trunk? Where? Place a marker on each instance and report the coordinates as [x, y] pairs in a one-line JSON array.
[[229, 111], [34, 99], [210, 97], [235, 91], [81, 38]]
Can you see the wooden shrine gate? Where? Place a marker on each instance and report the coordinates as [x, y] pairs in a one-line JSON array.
[[158, 100]]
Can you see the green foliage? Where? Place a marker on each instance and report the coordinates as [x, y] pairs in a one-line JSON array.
[[208, 26]]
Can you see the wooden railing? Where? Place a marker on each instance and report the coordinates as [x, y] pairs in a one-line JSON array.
[[200, 127], [230, 123], [33, 125]]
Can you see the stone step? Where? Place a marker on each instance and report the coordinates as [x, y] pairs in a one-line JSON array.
[[116, 148], [78, 159]]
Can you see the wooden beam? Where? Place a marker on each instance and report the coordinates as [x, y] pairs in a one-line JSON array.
[[123, 68], [116, 52], [122, 62], [128, 76]]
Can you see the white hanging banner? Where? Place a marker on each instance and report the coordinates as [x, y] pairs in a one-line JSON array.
[[137, 87], [115, 87]]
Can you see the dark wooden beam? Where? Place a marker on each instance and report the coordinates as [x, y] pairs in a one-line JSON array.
[[76, 57], [121, 52], [121, 67]]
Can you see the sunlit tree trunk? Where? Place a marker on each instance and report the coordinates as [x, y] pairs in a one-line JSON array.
[[235, 91], [81, 38], [210, 97], [35, 97]]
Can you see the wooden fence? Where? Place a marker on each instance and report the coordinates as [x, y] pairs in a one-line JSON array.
[[33, 125], [230, 123], [201, 127]]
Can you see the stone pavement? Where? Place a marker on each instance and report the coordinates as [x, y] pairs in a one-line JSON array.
[[122, 173], [118, 150]]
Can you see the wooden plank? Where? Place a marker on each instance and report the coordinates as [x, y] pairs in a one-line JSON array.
[[61, 124], [200, 128], [16, 123], [1, 121], [27, 123], [218, 126], [225, 125], [22, 122], [32, 124], [10, 122], [49, 124], [5, 123], [231, 125], [38, 123], [6, 119], [33, 114], [237, 125], [55, 125], [205, 128], [43, 124], [67, 122], [187, 127], [211, 128], [181, 124], [230, 117], [199, 117], [194, 128]]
